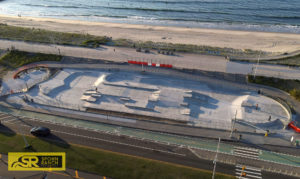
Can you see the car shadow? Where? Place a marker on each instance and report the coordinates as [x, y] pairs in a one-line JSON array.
[[6, 131], [53, 139]]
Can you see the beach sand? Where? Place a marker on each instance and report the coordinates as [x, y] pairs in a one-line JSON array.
[[276, 43]]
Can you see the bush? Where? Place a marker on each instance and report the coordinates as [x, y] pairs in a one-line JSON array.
[[295, 93], [15, 59], [46, 36], [290, 86]]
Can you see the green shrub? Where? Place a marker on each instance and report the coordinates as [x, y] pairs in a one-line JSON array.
[[15, 59], [46, 36], [290, 86], [295, 93]]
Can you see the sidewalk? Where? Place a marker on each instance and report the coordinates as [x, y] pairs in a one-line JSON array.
[[180, 60]]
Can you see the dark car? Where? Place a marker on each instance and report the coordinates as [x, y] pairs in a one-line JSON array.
[[40, 131]]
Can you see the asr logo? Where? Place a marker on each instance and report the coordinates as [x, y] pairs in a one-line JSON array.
[[33, 161]]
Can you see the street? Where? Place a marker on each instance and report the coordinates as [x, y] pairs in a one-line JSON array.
[[66, 135]]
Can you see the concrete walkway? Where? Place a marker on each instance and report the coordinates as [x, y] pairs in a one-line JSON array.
[[180, 60]]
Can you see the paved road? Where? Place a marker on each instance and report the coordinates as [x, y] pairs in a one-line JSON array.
[[123, 144], [190, 61], [68, 134]]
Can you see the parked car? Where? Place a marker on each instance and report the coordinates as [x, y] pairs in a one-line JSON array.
[[40, 131]]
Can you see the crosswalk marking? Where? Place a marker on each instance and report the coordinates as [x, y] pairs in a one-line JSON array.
[[247, 148], [246, 152], [8, 120], [4, 117], [249, 168], [248, 176], [250, 172], [14, 120], [246, 155], [239, 170]]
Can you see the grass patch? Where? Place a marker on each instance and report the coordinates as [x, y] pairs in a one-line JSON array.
[[290, 86], [188, 48], [46, 36], [104, 162], [289, 61], [15, 59]]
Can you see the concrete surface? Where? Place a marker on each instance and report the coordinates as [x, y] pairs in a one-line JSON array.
[[196, 104]]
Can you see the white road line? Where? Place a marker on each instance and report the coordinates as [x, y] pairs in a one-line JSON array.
[[246, 171], [109, 141], [247, 175]]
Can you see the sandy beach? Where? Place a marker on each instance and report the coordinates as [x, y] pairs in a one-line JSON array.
[[276, 43]]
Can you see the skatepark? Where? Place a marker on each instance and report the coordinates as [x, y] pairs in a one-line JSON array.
[[167, 98]]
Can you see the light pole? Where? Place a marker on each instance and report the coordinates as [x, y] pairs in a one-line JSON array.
[[232, 128], [255, 70], [215, 160]]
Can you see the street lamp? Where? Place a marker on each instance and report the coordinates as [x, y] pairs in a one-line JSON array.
[[255, 70], [215, 160]]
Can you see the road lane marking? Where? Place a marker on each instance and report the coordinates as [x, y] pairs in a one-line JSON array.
[[4, 117], [13, 121], [3, 114], [120, 143]]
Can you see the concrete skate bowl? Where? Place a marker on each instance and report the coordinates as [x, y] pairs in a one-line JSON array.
[[272, 125], [284, 105], [27, 67], [119, 77]]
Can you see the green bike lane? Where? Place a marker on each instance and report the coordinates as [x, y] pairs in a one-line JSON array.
[[153, 136]]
